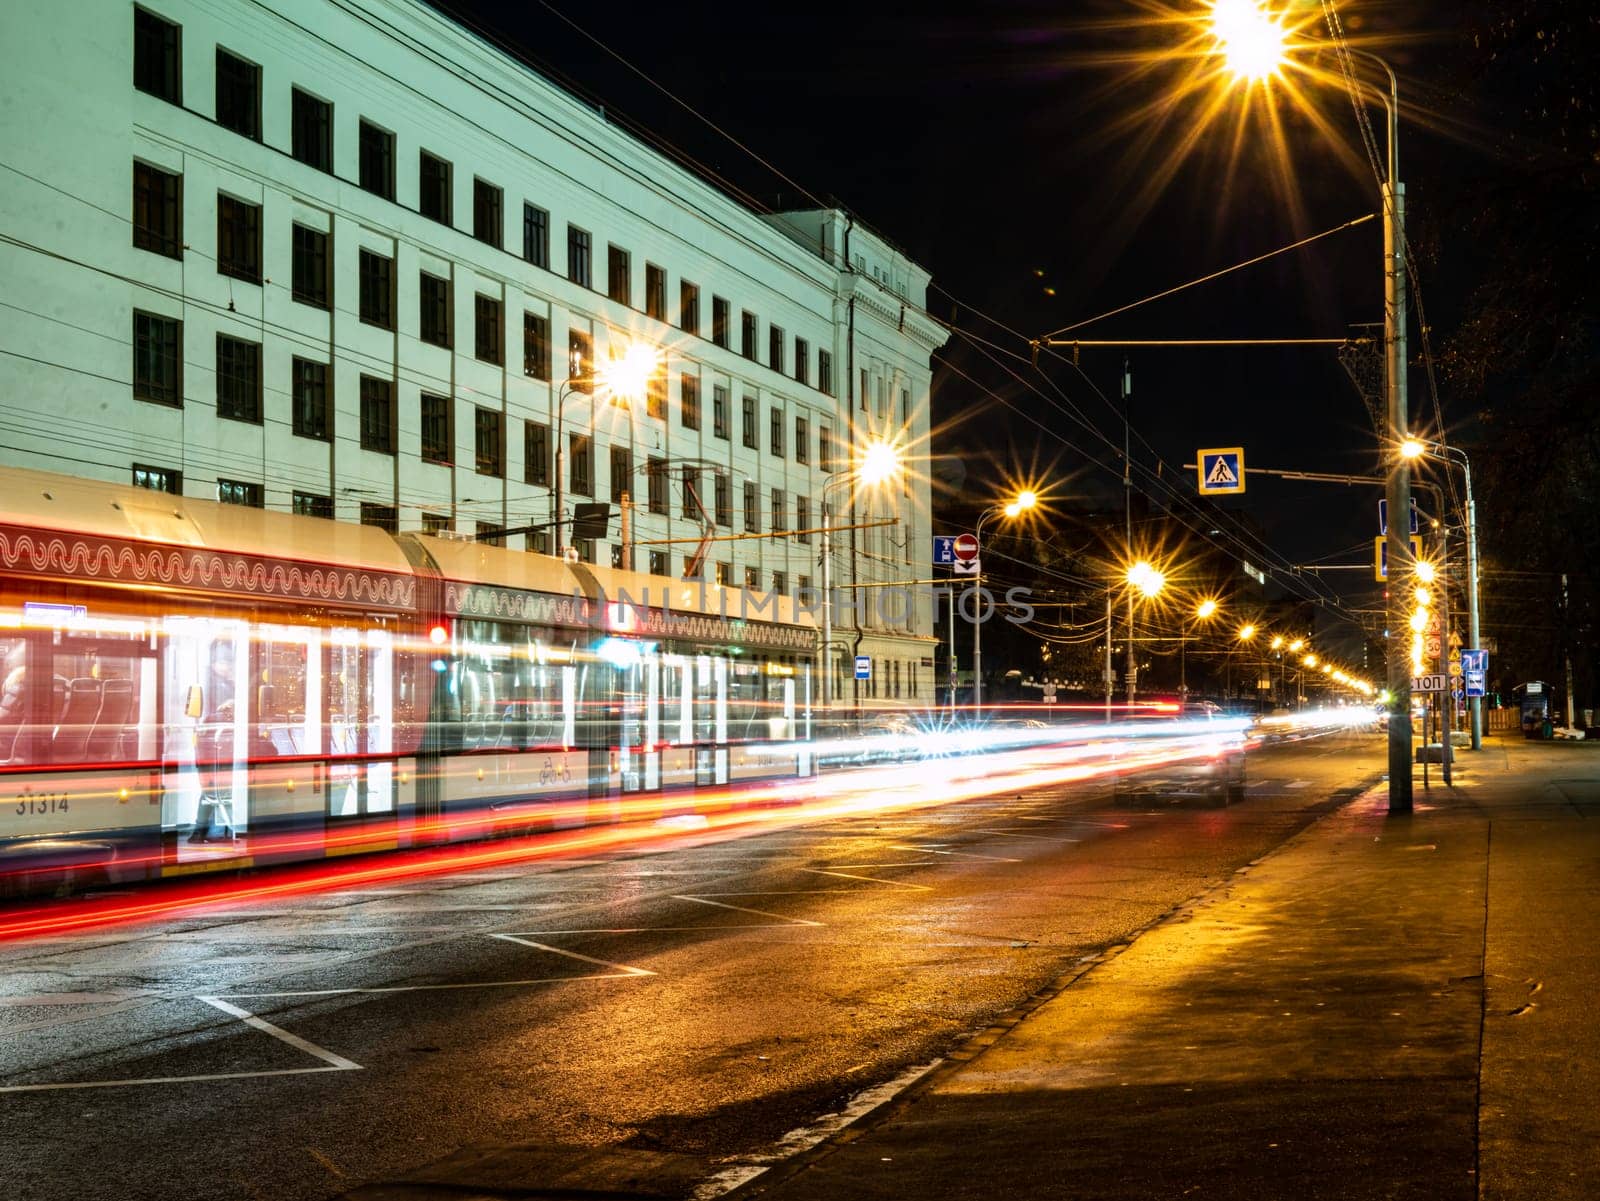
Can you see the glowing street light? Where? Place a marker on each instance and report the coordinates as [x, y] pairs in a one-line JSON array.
[[1147, 579], [1277, 642], [623, 379], [1020, 503], [1246, 632], [1206, 608], [1250, 39], [879, 462]]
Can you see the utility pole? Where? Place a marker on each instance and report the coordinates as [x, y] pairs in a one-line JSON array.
[[1127, 510]]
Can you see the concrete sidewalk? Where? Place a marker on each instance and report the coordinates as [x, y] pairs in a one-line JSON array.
[[1382, 1008]]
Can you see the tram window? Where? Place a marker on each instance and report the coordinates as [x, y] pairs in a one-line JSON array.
[[13, 698], [66, 699]]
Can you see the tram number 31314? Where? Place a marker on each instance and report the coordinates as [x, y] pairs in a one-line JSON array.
[[43, 802]]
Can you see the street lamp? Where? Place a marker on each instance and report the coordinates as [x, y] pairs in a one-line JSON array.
[[879, 462], [1204, 611], [1415, 448], [622, 379], [1147, 581], [1018, 505], [1252, 43]]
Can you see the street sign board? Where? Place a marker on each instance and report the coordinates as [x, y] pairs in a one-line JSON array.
[[1474, 660], [1221, 470], [1049, 694], [966, 566], [1383, 516], [1433, 682], [1474, 681], [1475, 672], [964, 547], [863, 667], [1380, 555], [944, 550]]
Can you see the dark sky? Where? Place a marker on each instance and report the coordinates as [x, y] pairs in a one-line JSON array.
[[998, 144]]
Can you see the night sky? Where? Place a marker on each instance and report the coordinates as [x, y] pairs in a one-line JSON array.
[[1011, 150]]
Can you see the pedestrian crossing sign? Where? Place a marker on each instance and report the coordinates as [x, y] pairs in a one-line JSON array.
[[1221, 471]]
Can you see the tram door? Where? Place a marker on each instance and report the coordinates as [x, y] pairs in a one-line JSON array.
[[205, 718], [358, 721], [710, 720]]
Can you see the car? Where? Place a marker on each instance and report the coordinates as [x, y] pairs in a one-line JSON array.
[[1172, 751]]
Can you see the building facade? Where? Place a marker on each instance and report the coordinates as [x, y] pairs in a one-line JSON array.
[[348, 259]]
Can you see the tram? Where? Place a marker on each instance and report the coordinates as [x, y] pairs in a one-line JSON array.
[[189, 686]]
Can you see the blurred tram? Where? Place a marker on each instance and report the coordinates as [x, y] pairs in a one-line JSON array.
[[192, 686]]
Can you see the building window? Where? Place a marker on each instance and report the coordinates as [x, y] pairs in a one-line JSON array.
[[655, 479], [825, 448], [802, 440], [377, 160], [489, 533], [775, 345], [310, 266], [803, 587], [689, 400], [157, 57], [802, 361], [488, 330], [238, 95], [157, 359], [579, 248], [312, 136], [377, 290], [619, 285], [719, 321], [802, 518], [377, 415], [311, 413], [719, 411], [312, 504], [158, 211], [905, 406], [752, 578], [433, 187], [536, 453], [536, 235], [434, 319], [747, 334], [747, 425], [688, 308], [725, 574], [655, 292], [780, 583], [238, 379], [535, 346], [780, 511], [489, 440], [690, 570], [488, 214], [775, 431], [580, 360], [621, 474], [238, 239], [692, 506], [539, 542], [238, 492], [723, 490], [384, 517], [825, 372], [658, 562], [436, 434], [655, 392], [157, 479], [434, 523], [580, 456], [585, 549], [752, 508]]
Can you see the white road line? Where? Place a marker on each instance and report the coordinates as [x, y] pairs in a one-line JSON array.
[[868, 879], [1298, 784], [959, 854], [864, 866], [39, 1088], [798, 921], [621, 967], [338, 1062], [399, 988], [1041, 837]]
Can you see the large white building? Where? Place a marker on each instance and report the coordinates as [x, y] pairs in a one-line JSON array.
[[346, 258]]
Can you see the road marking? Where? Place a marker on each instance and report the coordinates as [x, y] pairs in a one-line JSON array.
[[621, 967], [798, 921], [1014, 834], [868, 879], [338, 1062], [1298, 784], [959, 854]]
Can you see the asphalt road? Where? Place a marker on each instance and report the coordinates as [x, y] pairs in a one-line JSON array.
[[708, 999]]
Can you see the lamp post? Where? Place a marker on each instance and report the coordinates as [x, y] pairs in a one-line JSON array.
[[622, 378], [1148, 581], [1023, 501], [879, 461], [1203, 611], [1252, 42], [1414, 448]]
